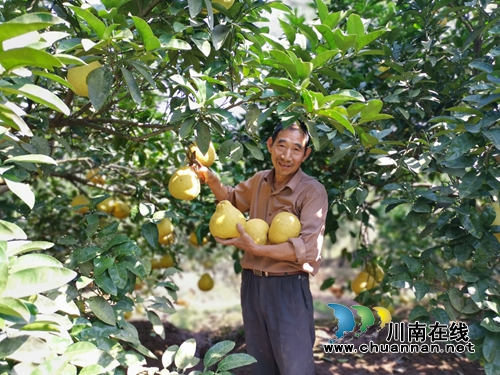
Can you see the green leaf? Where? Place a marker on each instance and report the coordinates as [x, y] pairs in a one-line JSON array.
[[490, 325], [37, 94], [456, 299], [26, 23], [285, 61], [494, 136], [417, 313], [10, 231], [231, 149], [102, 309], [157, 323], [219, 35], [462, 144], [53, 366], [19, 348], [132, 86], [101, 264], [168, 41], [471, 182], [413, 265], [368, 140], [32, 158], [472, 223], [37, 280], [366, 39], [4, 266], [217, 352], [235, 360], [337, 117], [344, 42], [355, 25], [440, 315], [14, 310], [254, 150], [106, 284], [22, 190], [184, 358], [94, 369], [150, 233], [323, 57], [11, 118], [327, 33], [94, 23], [151, 42], [421, 289], [310, 34], [33, 261], [100, 82], [304, 70], [327, 283], [118, 274], [23, 57], [322, 10], [288, 30], [195, 7]]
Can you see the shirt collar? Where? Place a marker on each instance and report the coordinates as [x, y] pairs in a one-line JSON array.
[[292, 184]]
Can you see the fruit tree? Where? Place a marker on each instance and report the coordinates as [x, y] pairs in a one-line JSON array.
[[401, 100]]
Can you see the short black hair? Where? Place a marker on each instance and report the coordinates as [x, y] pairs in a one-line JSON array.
[[302, 127]]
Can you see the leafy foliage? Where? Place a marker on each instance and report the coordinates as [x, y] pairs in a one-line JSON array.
[[401, 100]]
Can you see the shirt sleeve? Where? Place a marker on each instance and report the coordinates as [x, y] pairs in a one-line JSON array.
[[240, 196], [314, 207]]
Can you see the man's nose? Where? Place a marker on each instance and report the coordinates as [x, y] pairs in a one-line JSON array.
[[286, 154]]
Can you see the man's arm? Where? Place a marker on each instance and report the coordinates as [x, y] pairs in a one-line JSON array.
[[283, 251]]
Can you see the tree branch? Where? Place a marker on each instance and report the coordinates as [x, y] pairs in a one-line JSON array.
[[86, 124]]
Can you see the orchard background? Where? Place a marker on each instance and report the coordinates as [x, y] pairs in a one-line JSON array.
[[401, 99]]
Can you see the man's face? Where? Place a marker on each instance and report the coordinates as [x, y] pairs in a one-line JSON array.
[[288, 152]]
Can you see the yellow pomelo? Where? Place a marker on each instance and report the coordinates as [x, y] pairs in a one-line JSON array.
[[166, 240], [225, 3], [95, 176], [121, 209], [107, 205], [77, 76], [496, 206], [194, 239], [224, 219], [82, 201], [375, 271], [364, 281], [184, 184], [205, 159], [165, 227], [257, 229], [166, 261], [285, 225], [206, 282]]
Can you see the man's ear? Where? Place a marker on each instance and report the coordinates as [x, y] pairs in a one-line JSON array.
[[269, 144], [307, 153]]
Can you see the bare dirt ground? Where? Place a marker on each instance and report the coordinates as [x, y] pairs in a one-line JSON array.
[[346, 364], [214, 316]]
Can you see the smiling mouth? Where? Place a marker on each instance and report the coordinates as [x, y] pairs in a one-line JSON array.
[[284, 165]]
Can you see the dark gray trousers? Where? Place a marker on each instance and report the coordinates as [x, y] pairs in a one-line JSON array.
[[279, 323]]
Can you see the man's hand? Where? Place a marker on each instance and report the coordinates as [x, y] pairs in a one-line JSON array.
[[243, 242], [202, 172]]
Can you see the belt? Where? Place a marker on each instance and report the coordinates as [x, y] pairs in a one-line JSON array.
[[272, 274]]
